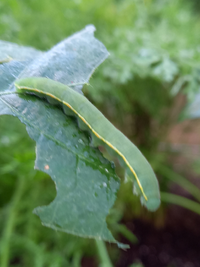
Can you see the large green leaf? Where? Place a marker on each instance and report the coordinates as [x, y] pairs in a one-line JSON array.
[[9, 72], [71, 61], [10, 51], [13, 60], [86, 182]]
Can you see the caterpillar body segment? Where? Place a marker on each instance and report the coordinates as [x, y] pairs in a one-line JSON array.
[[102, 131]]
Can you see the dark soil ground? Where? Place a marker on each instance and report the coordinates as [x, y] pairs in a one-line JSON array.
[[175, 245]]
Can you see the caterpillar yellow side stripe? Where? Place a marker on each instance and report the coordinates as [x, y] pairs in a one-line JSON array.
[[138, 169]]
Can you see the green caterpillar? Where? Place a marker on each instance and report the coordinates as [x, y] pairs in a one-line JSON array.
[[102, 132]]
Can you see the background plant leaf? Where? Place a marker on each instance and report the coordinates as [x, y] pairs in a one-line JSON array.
[[192, 109]]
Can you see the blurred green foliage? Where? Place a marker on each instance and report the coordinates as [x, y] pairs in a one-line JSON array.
[[155, 53]]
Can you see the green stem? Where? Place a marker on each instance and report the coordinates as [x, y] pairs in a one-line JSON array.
[[10, 222], [103, 254], [182, 181], [181, 201]]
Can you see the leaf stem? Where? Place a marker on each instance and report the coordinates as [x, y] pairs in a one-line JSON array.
[[10, 222], [103, 254], [182, 181], [181, 201]]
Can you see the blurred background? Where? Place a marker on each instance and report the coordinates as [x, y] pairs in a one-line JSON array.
[[153, 68]]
